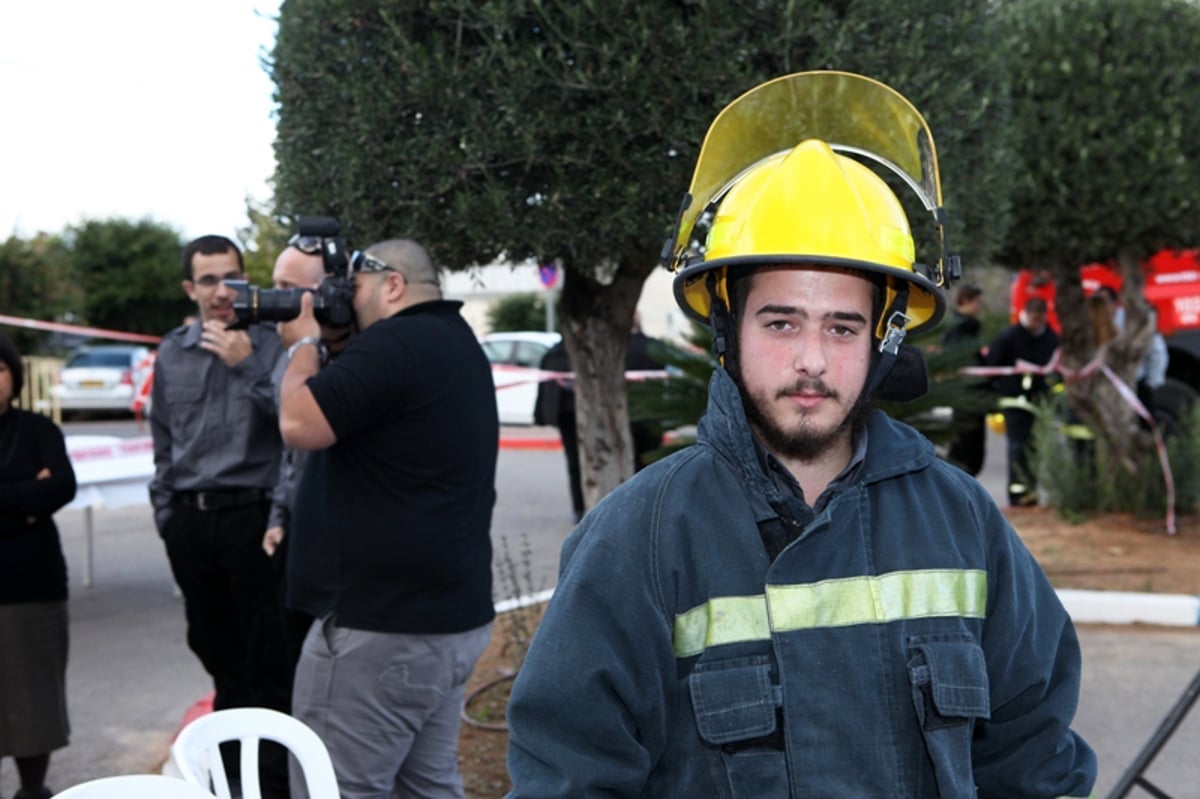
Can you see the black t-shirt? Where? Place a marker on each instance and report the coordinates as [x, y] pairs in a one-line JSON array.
[[392, 523], [1014, 344]]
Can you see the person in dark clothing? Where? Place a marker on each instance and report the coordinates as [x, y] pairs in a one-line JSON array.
[[969, 445], [1031, 340], [36, 480], [390, 548], [556, 406]]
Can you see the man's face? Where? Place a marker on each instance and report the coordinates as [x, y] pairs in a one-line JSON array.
[[207, 289], [298, 270], [369, 305], [804, 351], [1034, 320]]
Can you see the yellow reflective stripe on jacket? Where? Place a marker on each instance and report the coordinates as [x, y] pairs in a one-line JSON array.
[[832, 603], [721, 620]]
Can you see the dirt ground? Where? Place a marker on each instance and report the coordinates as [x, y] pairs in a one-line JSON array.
[[1112, 553]]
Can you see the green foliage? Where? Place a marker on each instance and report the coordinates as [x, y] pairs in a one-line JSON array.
[[526, 311], [569, 128], [1106, 101], [37, 281], [130, 274], [1080, 476]]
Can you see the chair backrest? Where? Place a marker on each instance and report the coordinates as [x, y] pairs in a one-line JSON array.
[[135, 786], [196, 751]]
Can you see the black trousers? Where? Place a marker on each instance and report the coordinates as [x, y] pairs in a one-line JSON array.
[[1018, 427], [570, 444], [231, 604], [969, 445]]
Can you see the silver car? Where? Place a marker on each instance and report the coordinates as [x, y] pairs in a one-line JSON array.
[[102, 377]]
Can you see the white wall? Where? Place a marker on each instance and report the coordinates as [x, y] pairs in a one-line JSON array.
[[661, 318]]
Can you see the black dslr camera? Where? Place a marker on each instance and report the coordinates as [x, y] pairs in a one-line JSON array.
[[333, 299]]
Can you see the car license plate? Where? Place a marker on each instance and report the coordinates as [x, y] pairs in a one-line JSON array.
[[91, 384]]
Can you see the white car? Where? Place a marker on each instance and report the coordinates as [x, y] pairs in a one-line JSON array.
[[102, 377], [515, 357]]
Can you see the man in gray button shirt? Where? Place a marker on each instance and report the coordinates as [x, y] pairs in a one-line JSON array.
[[216, 458]]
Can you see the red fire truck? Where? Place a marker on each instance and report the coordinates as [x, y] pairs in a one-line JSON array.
[[1172, 287]]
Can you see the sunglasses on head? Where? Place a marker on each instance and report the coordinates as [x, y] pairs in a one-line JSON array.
[[311, 245]]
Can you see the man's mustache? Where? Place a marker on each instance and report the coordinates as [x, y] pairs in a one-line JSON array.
[[815, 386]]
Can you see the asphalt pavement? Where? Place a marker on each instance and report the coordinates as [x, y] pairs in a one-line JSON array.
[[132, 678]]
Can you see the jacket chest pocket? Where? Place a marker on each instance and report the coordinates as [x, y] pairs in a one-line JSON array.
[[737, 711], [949, 684]]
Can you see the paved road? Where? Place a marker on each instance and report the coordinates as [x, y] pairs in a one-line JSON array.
[[131, 676]]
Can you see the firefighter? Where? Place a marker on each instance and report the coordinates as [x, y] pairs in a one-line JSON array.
[[1033, 341], [807, 602]]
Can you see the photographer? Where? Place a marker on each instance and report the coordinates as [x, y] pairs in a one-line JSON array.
[[301, 265], [390, 550]]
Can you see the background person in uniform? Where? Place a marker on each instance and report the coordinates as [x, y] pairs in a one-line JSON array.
[[1032, 340], [216, 459], [390, 550], [969, 445], [36, 480], [808, 602]]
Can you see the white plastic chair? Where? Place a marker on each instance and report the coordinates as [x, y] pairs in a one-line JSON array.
[[135, 786], [196, 751]]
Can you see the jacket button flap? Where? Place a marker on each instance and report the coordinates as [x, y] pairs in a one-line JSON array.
[[734, 700]]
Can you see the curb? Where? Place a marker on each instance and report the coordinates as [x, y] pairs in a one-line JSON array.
[[1126, 607], [531, 437], [512, 442]]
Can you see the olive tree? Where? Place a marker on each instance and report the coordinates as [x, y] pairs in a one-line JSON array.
[[37, 282], [1106, 107], [130, 273], [566, 131]]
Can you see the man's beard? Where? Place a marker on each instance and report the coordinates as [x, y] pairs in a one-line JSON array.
[[801, 443]]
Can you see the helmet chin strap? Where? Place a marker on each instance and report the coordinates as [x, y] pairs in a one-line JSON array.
[[720, 319], [896, 318]]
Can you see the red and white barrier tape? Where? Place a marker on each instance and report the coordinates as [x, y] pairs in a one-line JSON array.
[[565, 379], [1088, 370], [94, 332]]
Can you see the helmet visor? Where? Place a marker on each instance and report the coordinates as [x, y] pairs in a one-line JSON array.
[[852, 113]]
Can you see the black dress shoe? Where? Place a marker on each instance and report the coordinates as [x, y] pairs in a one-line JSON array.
[[41, 793]]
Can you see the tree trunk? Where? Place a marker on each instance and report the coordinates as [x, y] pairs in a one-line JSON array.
[[596, 320], [1094, 398]]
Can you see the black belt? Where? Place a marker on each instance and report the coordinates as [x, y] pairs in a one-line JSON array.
[[220, 499]]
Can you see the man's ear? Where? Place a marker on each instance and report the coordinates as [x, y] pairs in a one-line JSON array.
[[397, 285], [189, 288]]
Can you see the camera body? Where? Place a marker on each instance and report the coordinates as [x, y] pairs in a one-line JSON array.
[[333, 299]]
